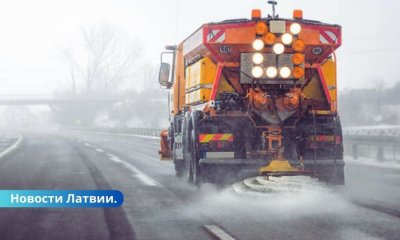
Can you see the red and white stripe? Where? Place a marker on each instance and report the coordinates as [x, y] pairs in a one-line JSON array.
[[216, 36], [327, 37]]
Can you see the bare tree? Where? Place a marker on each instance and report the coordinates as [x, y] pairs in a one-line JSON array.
[[100, 66], [104, 60]]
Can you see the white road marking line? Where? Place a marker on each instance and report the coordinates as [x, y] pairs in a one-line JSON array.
[[87, 144], [136, 172], [99, 150], [218, 232], [114, 158], [12, 147], [140, 175]]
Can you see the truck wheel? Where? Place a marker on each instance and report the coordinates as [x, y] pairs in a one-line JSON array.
[[189, 174], [179, 168], [338, 179], [194, 144], [194, 162], [187, 170], [179, 164]]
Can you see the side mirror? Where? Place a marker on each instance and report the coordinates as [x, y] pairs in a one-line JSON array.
[[163, 76]]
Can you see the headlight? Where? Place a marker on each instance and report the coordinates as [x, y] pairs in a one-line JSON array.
[[278, 48], [257, 72], [258, 58], [272, 72], [295, 28], [287, 38], [285, 72], [258, 44]]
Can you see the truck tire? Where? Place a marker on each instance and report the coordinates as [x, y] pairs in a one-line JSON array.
[[194, 160], [179, 164], [334, 177], [179, 168], [338, 178], [332, 174], [186, 128]]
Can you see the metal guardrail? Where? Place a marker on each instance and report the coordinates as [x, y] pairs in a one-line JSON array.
[[150, 132], [371, 131], [379, 147], [379, 144]]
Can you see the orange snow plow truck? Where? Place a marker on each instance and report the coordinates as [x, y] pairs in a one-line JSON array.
[[254, 97]]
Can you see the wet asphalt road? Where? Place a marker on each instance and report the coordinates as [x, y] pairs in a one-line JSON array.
[[160, 206]]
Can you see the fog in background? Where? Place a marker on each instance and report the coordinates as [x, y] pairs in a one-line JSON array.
[[103, 49]]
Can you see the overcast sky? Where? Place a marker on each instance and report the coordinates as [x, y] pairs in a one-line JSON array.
[[32, 32]]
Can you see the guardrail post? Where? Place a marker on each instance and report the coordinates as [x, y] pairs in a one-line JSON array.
[[379, 155], [355, 151], [394, 152]]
